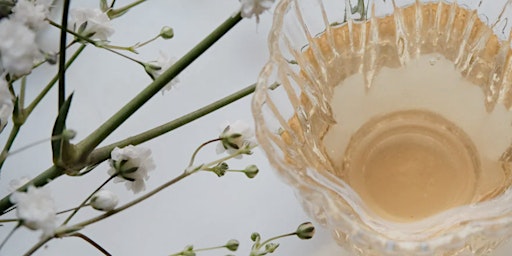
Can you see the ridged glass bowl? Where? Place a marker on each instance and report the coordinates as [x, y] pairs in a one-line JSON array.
[[341, 78]]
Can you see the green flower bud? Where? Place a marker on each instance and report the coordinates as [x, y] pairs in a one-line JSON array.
[[167, 32], [232, 245], [220, 169], [251, 171], [271, 247], [305, 230], [255, 236]]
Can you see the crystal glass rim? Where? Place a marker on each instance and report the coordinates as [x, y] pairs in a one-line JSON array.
[[329, 184]]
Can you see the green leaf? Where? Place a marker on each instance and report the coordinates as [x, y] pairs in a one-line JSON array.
[[58, 129]]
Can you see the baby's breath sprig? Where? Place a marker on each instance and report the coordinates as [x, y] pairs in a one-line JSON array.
[[231, 245], [305, 230]]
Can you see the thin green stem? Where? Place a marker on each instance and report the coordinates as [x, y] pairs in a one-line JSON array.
[[147, 42], [9, 235], [199, 148], [9, 220], [21, 97], [52, 82], [103, 153], [134, 202], [223, 159], [91, 242], [46, 59], [95, 138], [200, 249], [126, 7], [35, 143], [87, 199], [277, 237], [86, 39], [72, 209], [5, 151], [37, 246], [62, 53]]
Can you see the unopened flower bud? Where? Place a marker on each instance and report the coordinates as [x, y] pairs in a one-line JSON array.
[[167, 32], [104, 200], [271, 247], [255, 236], [232, 245], [251, 171], [305, 230]]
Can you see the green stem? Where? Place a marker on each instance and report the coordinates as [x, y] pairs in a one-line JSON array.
[[9, 235], [37, 246], [52, 82], [277, 237], [72, 209], [21, 97], [199, 148], [103, 153], [95, 138], [134, 202], [147, 42], [5, 151], [126, 7], [199, 250], [87, 199], [62, 53], [91, 242], [86, 39], [237, 153], [9, 220]]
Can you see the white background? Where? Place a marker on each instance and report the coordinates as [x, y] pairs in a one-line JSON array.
[[203, 209]]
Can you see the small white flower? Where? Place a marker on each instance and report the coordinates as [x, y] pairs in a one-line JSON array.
[[132, 163], [255, 7], [234, 136], [94, 22], [18, 48], [6, 104], [104, 200], [30, 13], [156, 68], [36, 209]]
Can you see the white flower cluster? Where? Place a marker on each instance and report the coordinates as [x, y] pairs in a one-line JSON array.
[[131, 164], [235, 136], [91, 23], [156, 68], [18, 47], [36, 209]]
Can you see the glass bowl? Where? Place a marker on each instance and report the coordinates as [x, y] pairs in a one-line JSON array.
[[392, 121]]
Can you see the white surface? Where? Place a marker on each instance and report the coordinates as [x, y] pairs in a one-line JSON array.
[[202, 210]]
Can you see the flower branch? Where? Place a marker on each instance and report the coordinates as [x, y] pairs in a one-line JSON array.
[[95, 138]]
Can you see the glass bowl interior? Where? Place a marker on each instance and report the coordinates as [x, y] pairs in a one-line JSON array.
[[395, 55]]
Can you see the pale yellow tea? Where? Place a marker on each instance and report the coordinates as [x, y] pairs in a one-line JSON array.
[[414, 135]]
